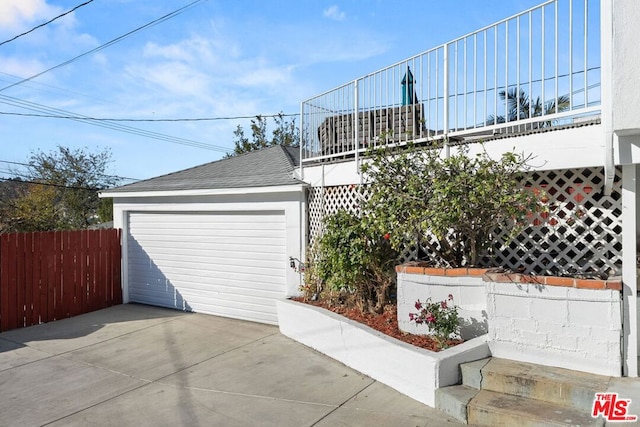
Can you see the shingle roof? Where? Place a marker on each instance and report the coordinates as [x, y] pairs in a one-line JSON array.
[[263, 168]]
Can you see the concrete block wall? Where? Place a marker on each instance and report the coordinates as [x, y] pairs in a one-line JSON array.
[[468, 294], [554, 321], [566, 327]]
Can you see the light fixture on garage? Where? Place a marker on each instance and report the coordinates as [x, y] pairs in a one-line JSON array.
[[296, 264]]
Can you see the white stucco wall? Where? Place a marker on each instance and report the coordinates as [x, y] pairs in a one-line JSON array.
[[571, 328], [625, 65], [562, 149]]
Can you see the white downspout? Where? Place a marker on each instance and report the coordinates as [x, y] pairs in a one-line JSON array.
[[606, 47]]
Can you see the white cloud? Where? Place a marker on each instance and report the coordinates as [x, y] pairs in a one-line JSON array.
[[100, 59], [18, 14], [334, 13], [20, 68]]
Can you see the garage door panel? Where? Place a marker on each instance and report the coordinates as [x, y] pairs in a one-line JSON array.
[[170, 250], [256, 246], [188, 279], [227, 290], [206, 235], [169, 298], [237, 301], [229, 264], [212, 269], [231, 260], [222, 228], [212, 261], [239, 313]]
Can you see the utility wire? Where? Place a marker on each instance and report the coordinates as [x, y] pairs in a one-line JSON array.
[[109, 43], [50, 184], [103, 119], [27, 105], [100, 174], [50, 88], [46, 23]]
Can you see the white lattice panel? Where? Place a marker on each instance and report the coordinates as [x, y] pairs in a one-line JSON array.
[[579, 233], [325, 201]]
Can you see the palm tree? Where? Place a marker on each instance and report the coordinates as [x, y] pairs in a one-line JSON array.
[[519, 106]]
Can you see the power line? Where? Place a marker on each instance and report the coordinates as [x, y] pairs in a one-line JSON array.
[[32, 106], [50, 88], [109, 43], [70, 187], [99, 174], [46, 23], [104, 119]]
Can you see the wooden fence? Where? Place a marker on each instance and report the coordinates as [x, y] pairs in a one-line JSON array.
[[53, 275]]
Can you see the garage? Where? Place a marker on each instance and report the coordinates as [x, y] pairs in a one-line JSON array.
[[224, 263], [217, 238]]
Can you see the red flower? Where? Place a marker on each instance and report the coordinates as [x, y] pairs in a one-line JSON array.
[[430, 318], [443, 304], [387, 236], [418, 305], [450, 297]]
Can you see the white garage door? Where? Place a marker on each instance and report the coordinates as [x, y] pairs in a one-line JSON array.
[[228, 264]]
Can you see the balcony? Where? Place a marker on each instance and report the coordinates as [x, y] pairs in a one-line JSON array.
[[537, 70]]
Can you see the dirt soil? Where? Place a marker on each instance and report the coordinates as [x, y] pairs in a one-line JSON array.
[[387, 323]]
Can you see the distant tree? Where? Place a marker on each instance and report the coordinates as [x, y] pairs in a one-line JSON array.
[[285, 133], [521, 106], [34, 210], [60, 191]]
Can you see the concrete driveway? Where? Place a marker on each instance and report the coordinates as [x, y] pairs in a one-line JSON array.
[[141, 365]]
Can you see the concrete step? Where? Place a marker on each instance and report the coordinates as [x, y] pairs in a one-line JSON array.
[[500, 392], [489, 408], [472, 373], [553, 385], [453, 400]]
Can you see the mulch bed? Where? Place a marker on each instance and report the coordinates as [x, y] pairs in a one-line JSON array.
[[387, 323]]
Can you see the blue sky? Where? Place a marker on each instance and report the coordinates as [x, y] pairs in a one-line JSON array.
[[220, 58]]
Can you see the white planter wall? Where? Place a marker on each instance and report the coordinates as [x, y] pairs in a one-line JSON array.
[[468, 294], [555, 325], [410, 370]]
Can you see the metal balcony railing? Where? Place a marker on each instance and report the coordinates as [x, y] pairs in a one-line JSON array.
[[539, 68]]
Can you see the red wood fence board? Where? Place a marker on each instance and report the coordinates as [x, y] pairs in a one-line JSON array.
[[28, 278], [12, 300], [53, 275], [35, 279], [4, 279]]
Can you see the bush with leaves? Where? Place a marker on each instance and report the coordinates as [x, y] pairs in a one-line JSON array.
[[460, 200], [352, 262]]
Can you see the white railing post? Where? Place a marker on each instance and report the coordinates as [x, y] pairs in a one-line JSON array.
[[355, 125], [445, 97], [302, 141]]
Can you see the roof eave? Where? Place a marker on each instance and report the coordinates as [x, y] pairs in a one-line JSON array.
[[206, 192]]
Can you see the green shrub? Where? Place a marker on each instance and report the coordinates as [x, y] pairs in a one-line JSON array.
[[353, 262], [460, 200]]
